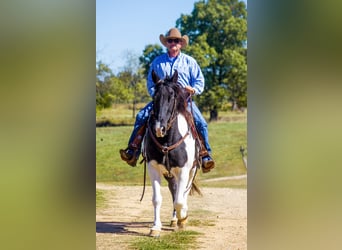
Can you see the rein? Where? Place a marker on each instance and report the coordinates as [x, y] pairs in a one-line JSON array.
[[166, 149], [143, 192]]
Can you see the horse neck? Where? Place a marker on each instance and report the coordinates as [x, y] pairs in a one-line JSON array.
[[182, 124]]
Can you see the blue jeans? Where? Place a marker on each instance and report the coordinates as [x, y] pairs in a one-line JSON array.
[[200, 123], [140, 120]]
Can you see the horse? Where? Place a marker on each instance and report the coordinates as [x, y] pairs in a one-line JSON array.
[[171, 150]]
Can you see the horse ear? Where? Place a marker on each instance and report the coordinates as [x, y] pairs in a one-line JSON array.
[[155, 78], [174, 77]]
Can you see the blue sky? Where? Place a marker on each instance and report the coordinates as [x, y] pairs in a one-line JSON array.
[[128, 26]]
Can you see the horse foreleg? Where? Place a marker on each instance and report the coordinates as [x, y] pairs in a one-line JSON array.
[[174, 220], [172, 184], [156, 200], [180, 203]]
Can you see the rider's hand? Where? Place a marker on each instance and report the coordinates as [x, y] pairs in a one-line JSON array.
[[190, 90]]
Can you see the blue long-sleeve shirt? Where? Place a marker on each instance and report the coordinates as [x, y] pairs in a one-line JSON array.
[[189, 72]]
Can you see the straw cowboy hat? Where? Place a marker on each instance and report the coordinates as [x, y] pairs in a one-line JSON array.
[[174, 33]]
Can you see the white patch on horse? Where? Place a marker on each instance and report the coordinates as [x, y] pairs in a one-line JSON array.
[[158, 130], [189, 141]]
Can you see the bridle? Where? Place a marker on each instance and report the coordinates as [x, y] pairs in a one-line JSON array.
[[166, 149], [172, 119]]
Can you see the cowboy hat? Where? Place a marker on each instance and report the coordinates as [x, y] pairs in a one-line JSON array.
[[174, 33]]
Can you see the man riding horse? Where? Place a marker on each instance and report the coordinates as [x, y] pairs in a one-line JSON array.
[[190, 77]]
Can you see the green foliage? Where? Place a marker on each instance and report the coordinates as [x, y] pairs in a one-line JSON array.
[[104, 85], [218, 34], [212, 98], [140, 91], [134, 84], [128, 86], [150, 52], [201, 50]]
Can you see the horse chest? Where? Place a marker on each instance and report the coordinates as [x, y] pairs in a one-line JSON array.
[[176, 157]]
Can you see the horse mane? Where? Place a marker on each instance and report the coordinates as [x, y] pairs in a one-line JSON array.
[[182, 97]]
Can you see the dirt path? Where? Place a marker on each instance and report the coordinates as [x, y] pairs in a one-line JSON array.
[[220, 214]]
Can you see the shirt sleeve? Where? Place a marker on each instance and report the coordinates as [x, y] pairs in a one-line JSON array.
[[197, 78], [150, 84]]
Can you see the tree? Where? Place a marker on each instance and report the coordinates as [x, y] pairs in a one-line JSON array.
[[150, 52], [104, 86], [112, 89], [217, 31], [132, 74]]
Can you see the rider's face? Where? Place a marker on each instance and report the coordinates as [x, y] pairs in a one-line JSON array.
[[174, 46]]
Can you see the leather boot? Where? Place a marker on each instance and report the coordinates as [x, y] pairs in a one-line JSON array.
[[207, 162], [130, 156], [132, 152]]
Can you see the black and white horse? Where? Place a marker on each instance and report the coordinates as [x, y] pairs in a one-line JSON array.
[[171, 149]]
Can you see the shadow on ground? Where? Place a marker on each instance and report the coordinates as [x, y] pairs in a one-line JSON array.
[[126, 227], [121, 227]]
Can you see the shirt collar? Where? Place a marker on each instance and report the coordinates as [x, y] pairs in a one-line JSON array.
[[173, 58]]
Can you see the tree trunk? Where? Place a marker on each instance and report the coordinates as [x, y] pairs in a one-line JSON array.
[[235, 106], [213, 114]]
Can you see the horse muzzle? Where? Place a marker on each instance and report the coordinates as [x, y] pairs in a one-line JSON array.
[[160, 130]]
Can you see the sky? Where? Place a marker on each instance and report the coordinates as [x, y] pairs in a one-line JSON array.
[[124, 27]]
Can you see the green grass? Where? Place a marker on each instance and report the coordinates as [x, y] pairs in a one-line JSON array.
[[238, 183], [109, 166], [119, 115], [180, 240], [226, 136]]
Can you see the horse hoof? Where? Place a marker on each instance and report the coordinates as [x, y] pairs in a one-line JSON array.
[[154, 233], [181, 223], [173, 223]]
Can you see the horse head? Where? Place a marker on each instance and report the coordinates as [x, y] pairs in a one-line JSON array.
[[164, 102]]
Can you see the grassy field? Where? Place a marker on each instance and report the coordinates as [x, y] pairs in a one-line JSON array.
[[181, 240], [226, 136]]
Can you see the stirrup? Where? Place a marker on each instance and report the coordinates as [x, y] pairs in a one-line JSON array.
[[130, 159], [207, 165]]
